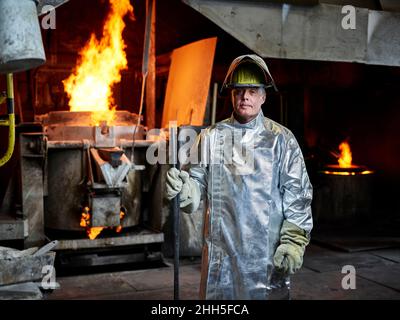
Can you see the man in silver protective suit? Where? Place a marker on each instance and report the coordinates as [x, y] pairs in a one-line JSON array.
[[251, 173]]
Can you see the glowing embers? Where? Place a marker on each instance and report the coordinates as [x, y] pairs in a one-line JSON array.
[[345, 166], [99, 67], [93, 232], [354, 170], [121, 216]]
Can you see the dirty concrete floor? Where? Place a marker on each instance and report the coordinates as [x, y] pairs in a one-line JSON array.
[[377, 277]]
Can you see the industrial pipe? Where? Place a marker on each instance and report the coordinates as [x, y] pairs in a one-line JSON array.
[[10, 123]]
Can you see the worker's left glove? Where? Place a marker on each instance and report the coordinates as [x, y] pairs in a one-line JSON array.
[[289, 254], [179, 182]]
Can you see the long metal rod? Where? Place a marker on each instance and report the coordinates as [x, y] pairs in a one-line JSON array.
[[145, 66], [73, 144], [146, 52], [173, 140]]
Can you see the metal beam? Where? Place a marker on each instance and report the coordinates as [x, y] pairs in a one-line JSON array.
[[143, 237], [309, 33], [297, 2]]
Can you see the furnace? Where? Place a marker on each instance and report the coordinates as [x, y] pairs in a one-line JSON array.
[[82, 173], [91, 166], [82, 185]]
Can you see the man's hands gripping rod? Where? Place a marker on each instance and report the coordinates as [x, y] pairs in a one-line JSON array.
[[179, 182]]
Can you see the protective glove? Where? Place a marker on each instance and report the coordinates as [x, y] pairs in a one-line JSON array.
[[288, 256], [189, 192]]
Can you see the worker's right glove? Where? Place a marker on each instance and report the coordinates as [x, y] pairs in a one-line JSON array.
[[288, 257], [189, 191]]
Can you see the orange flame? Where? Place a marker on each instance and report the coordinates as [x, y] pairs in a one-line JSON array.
[[345, 164], [93, 232], [121, 216], [100, 63], [84, 219], [345, 155]]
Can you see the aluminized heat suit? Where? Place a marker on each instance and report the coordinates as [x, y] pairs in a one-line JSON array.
[[250, 189]]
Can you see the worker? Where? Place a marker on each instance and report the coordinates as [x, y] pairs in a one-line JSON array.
[[258, 218]]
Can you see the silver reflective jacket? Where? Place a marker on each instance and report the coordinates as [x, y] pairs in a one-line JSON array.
[[250, 187]]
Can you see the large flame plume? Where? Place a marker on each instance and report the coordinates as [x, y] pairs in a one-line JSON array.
[[99, 67]]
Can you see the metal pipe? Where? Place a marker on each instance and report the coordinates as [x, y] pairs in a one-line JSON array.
[[78, 144], [10, 122]]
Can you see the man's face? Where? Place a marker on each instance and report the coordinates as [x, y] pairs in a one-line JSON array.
[[247, 103]]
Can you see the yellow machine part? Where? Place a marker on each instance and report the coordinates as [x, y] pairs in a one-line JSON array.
[[10, 122]]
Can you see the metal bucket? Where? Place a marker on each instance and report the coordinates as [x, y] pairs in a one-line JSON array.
[[21, 45]]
